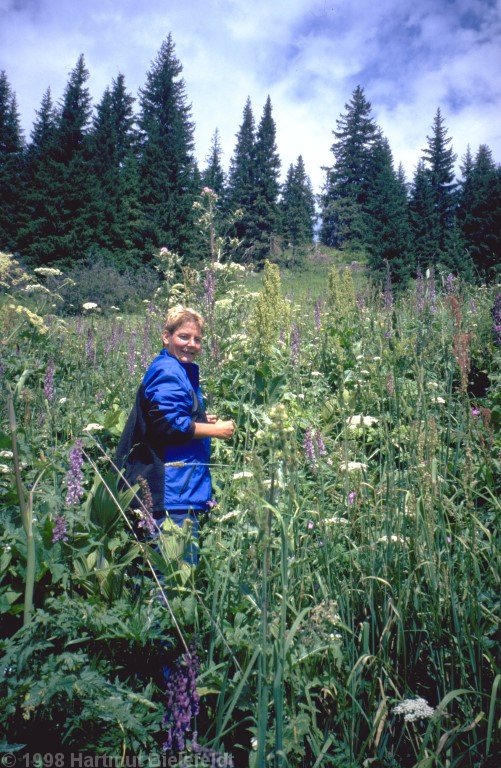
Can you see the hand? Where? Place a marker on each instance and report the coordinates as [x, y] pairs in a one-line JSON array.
[[225, 429], [211, 418]]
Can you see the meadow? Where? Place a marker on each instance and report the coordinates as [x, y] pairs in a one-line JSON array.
[[345, 608]]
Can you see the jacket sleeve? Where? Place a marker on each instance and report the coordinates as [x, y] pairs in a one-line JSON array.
[[168, 405]]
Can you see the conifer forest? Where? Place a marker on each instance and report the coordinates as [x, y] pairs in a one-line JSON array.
[[344, 611]]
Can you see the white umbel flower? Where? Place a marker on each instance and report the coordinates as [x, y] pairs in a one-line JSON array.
[[352, 466], [92, 427], [414, 709], [360, 421]]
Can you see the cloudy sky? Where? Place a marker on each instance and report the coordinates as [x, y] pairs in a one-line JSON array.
[[410, 56]]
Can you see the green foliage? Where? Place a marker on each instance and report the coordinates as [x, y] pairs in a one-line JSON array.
[[11, 165], [297, 213], [110, 286], [345, 192], [168, 176], [357, 508], [270, 315]]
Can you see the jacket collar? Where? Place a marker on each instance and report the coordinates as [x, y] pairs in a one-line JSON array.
[[192, 369]]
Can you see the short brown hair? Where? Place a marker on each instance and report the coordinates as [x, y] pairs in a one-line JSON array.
[[178, 315]]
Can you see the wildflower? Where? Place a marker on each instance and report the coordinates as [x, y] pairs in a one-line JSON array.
[[4, 469], [182, 702], [352, 466], [60, 530], [88, 305], [48, 271], [438, 400], [414, 709], [450, 284], [146, 519], [35, 288], [92, 427], [475, 412], [390, 384], [310, 525], [6, 455], [90, 347], [393, 538], [75, 475], [352, 497], [48, 385], [35, 320], [295, 345], [319, 444], [62, 400], [242, 475], [308, 446], [131, 354], [360, 421], [337, 520], [318, 314]]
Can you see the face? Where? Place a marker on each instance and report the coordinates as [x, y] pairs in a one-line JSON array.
[[185, 342]]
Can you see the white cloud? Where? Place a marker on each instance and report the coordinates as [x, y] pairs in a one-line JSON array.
[[411, 56]]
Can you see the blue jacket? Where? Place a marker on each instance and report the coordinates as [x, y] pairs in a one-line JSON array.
[[157, 442]]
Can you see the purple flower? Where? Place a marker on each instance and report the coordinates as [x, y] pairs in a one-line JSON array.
[[131, 354], [308, 446], [75, 475], [146, 519], [318, 314], [475, 412], [352, 497], [310, 525], [48, 385], [90, 346], [211, 504], [183, 701], [295, 345], [319, 444], [60, 530], [450, 284]]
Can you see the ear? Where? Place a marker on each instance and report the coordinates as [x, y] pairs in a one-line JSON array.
[[166, 338]]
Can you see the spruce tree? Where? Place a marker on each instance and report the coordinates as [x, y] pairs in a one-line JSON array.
[[479, 212], [241, 182], [387, 217], [345, 192], [74, 187], [422, 214], [213, 175], [169, 177], [11, 167], [297, 212], [112, 143], [439, 238], [38, 234], [264, 225]]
